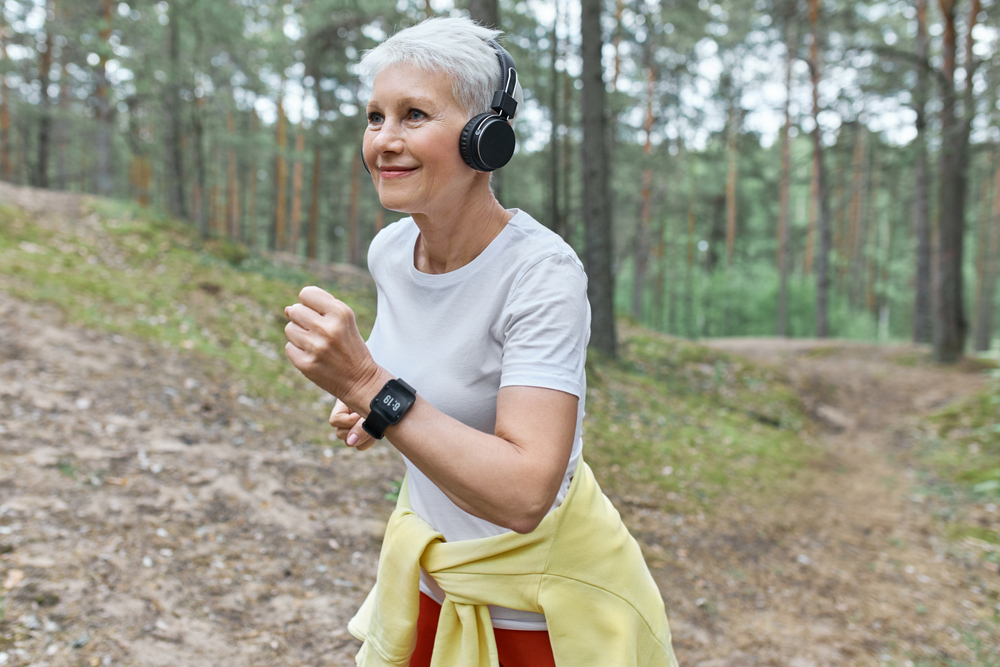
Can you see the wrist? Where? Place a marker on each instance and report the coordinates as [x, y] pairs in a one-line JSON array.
[[363, 392]]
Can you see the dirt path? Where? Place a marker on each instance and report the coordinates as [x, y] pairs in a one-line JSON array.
[[854, 570], [151, 514]]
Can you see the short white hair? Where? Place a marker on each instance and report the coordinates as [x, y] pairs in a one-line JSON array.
[[456, 46]]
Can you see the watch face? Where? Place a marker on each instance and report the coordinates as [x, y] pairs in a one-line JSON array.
[[394, 403]]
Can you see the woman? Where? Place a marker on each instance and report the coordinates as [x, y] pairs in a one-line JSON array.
[[474, 371]]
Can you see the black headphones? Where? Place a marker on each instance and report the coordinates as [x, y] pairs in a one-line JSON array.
[[487, 141]]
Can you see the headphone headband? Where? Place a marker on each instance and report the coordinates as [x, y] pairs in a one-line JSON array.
[[503, 100]]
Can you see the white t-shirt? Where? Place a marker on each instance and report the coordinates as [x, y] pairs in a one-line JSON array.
[[517, 315]]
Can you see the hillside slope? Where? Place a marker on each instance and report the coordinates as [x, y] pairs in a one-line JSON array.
[[170, 494]]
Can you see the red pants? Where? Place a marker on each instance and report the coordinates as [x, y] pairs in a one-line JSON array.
[[516, 648]]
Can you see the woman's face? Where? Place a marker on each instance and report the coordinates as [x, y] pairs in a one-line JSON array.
[[411, 143]]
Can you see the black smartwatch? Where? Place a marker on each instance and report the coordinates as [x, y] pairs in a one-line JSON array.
[[388, 407]]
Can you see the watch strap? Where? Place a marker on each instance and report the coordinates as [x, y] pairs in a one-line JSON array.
[[375, 424]]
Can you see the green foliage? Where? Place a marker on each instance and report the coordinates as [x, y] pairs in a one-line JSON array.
[[238, 59]]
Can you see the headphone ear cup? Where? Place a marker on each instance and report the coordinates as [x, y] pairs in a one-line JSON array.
[[487, 142], [467, 142], [365, 162]]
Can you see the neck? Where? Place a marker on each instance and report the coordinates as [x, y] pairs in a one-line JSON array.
[[451, 239]]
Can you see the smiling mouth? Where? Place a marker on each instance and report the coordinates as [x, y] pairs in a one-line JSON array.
[[395, 172]]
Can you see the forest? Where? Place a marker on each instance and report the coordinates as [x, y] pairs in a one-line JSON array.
[[769, 167]]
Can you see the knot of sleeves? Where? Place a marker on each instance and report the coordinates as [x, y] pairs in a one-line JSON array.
[[580, 567]]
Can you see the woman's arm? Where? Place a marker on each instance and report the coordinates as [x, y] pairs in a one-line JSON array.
[[510, 478]]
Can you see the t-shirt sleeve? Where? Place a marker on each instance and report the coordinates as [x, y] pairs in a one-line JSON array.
[[546, 327]]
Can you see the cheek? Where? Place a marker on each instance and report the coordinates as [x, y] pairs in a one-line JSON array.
[[367, 152]]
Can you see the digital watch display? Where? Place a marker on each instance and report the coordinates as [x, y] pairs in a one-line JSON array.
[[388, 407]]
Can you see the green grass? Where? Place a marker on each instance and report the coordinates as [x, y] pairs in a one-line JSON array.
[[673, 424], [128, 271], [679, 425], [964, 442]]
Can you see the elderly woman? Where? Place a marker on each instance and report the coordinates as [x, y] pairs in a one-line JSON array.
[[502, 549]]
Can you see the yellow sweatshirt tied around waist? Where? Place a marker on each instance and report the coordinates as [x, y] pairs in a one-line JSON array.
[[580, 567]]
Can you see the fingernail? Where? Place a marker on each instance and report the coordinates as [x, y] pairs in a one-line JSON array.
[[352, 439]]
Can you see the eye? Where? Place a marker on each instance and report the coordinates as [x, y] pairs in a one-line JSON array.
[[416, 114], [374, 118]]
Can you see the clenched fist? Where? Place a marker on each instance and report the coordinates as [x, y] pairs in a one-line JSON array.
[[325, 345]]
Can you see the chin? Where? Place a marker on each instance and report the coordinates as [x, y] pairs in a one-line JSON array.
[[393, 204]]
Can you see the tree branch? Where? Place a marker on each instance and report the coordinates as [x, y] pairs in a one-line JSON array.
[[911, 58]]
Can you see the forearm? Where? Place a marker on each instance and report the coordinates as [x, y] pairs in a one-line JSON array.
[[490, 476], [485, 475]]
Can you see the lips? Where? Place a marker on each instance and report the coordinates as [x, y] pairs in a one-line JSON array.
[[395, 171]]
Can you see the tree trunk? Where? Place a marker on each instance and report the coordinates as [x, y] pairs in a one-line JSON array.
[[485, 12], [250, 228], [281, 181], [313, 233], [176, 179], [105, 180], [689, 319], [216, 222], [201, 184], [596, 185], [874, 238], [950, 326], [5, 166], [984, 272], [300, 147], [567, 149], [232, 186], [732, 161], [354, 222], [822, 204], [850, 262], [83, 171], [922, 323], [45, 105], [62, 128], [992, 263], [670, 260], [660, 281], [783, 193], [567, 122], [810, 254], [642, 233], [555, 217]]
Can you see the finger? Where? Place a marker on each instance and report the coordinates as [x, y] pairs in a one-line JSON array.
[[297, 336], [359, 438], [318, 299], [344, 421], [303, 315], [339, 408], [296, 355]]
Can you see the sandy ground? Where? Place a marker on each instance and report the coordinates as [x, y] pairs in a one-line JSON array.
[[152, 515]]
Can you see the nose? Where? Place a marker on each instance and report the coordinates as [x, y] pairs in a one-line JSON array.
[[386, 139]]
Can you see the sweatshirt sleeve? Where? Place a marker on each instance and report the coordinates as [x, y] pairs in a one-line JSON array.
[[546, 327]]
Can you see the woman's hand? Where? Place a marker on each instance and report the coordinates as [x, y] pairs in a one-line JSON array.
[[325, 345], [348, 426]]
